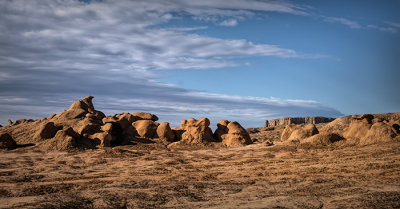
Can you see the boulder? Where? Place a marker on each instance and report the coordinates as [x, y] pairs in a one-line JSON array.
[[196, 131], [165, 132], [298, 132], [129, 117], [64, 140], [103, 139], [232, 134], [80, 108], [322, 139], [88, 126], [107, 127], [145, 128], [6, 141], [122, 121], [381, 131], [221, 130], [46, 131], [144, 116], [358, 128]]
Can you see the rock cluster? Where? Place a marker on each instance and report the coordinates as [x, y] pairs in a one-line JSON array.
[[352, 130], [297, 120], [82, 126]]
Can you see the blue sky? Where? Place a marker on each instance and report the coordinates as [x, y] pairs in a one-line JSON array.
[[238, 60]]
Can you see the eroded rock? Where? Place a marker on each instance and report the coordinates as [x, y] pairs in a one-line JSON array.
[[6, 141]]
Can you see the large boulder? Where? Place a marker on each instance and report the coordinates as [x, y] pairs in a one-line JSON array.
[[6, 141], [196, 131], [64, 140], [145, 128], [122, 121], [322, 139], [232, 134], [144, 116], [165, 132], [298, 132], [88, 127], [46, 131], [102, 139]]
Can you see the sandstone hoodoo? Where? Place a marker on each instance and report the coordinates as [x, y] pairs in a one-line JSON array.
[[352, 130], [146, 128], [196, 131], [297, 120], [367, 129], [298, 132], [232, 134], [165, 132]]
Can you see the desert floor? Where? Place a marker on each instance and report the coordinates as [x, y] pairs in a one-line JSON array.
[[151, 176]]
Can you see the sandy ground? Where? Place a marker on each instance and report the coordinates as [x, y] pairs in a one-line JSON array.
[[151, 176]]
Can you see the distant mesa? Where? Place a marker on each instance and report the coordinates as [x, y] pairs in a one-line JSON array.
[[282, 122]]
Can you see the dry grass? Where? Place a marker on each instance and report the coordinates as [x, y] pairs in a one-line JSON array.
[[255, 176]]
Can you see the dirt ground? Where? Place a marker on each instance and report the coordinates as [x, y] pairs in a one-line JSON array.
[[151, 176]]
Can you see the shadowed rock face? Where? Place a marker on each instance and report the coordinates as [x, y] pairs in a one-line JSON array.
[[297, 120], [6, 141]]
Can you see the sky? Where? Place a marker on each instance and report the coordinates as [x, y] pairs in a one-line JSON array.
[[244, 60]]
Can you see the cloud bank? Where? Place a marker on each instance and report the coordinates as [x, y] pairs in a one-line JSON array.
[[55, 52]]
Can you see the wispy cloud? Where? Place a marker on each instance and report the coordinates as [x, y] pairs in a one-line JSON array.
[[344, 21], [356, 25], [380, 28], [230, 23], [394, 24]]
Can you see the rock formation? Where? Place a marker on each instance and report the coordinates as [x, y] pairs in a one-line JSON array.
[[298, 132], [368, 130], [47, 130], [6, 141], [165, 132], [232, 134], [297, 120], [146, 128], [196, 131], [322, 139]]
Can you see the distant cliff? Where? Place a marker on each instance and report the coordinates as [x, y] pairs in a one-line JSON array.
[[297, 120]]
